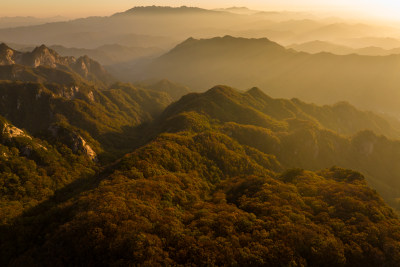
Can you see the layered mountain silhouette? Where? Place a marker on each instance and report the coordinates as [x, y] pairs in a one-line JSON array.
[[139, 27], [315, 47], [243, 63], [164, 10]]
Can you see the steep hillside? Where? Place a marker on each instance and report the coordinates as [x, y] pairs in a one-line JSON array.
[[40, 89], [58, 129], [368, 82], [32, 170]]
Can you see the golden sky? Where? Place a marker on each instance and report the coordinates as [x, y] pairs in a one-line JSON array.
[[81, 8]]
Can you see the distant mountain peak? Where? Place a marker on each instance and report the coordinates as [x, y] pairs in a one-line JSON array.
[[222, 90], [219, 46], [231, 38], [189, 40], [238, 7], [159, 10], [44, 56], [42, 49], [255, 91]]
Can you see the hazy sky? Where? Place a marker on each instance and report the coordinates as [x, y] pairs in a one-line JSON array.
[[79, 8]]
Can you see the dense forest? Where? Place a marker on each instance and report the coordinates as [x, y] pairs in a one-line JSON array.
[[95, 172]]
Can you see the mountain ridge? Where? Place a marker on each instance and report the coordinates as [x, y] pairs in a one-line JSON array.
[[44, 56]]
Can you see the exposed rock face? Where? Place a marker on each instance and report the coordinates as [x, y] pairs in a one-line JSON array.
[[10, 131], [85, 66], [44, 56], [75, 142], [82, 145], [40, 56], [90, 95], [69, 92], [7, 55]]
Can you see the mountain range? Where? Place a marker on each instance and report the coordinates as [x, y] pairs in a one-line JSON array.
[[319, 78], [139, 27], [223, 151]]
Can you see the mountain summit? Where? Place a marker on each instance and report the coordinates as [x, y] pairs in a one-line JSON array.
[[164, 10]]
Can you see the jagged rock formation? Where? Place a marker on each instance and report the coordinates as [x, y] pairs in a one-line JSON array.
[[10, 131], [75, 141], [43, 56]]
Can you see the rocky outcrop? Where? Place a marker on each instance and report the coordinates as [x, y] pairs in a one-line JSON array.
[[73, 140], [9, 131], [44, 56], [85, 66], [81, 145], [8, 56]]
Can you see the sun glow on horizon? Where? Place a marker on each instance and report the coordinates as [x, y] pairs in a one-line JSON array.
[[383, 9]]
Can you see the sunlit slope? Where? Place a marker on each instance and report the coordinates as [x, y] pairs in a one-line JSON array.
[[298, 134]]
